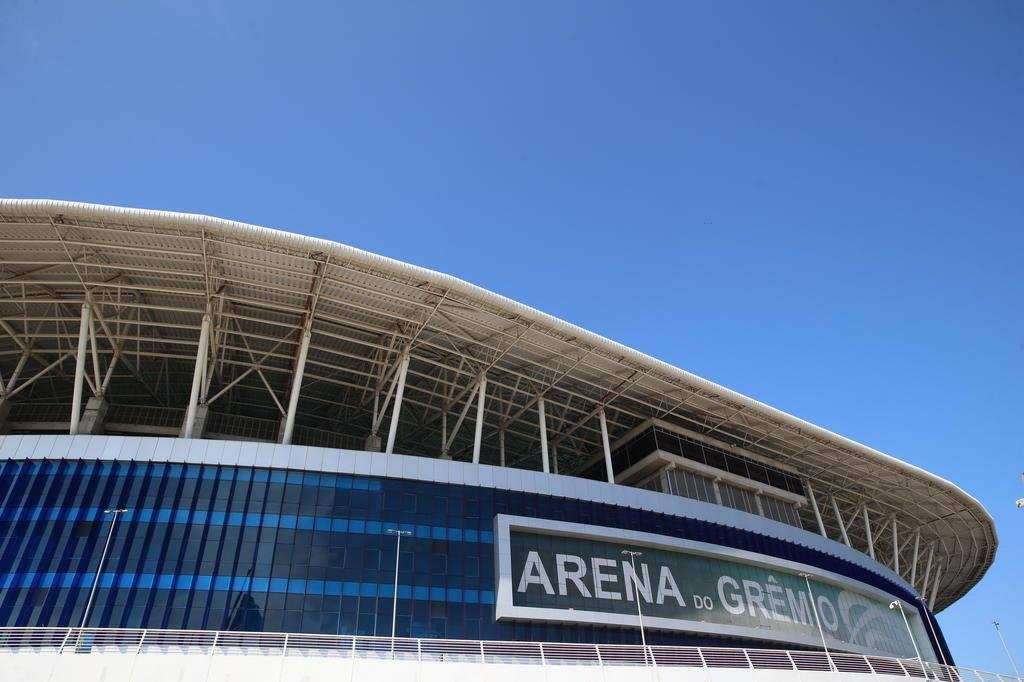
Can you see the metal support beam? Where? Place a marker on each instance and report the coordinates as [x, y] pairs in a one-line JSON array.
[[293, 396], [501, 447], [83, 339], [447, 442], [16, 373], [35, 377], [95, 358], [542, 423], [913, 563], [379, 408], [935, 588], [198, 372], [927, 570], [839, 518], [481, 394], [606, 447], [814, 507], [396, 411], [867, 531], [895, 547]]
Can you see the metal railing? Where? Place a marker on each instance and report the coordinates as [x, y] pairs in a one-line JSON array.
[[210, 642]]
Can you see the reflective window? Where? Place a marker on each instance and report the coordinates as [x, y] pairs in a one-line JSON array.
[[221, 547]]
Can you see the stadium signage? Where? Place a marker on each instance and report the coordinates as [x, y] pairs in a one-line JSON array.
[[567, 572]]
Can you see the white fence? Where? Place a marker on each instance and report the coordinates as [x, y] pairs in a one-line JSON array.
[[85, 641]]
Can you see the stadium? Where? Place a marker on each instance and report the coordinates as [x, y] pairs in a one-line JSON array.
[[221, 429]]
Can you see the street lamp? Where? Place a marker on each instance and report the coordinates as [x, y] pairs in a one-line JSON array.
[[1006, 649], [931, 627], [636, 591], [103, 560], [394, 606], [817, 620], [897, 604]]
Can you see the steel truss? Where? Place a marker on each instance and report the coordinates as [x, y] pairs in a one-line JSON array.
[[305, 339]]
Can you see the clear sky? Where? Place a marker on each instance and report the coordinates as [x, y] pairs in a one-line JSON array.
[[819, 204]]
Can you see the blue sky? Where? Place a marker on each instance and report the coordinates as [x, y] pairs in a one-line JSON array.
[[819, 204]]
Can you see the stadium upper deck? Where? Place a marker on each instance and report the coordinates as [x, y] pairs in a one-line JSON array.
[[203, 327]]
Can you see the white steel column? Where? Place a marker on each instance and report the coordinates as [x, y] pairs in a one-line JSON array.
[[293, 397], [606, 446], [814, 507], [927, 570], [198, 373], [95, 356], [913, 563], [839, 518], [895, 548], [867, 530], [396, 411], [543, 424], [935, 588], [83, 339], [481, 396]]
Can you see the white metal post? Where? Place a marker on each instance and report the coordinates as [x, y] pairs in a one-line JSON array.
[[542, 423], [913, 563], [935, 587], [481, 397], [13, 379], [636, 593], [839, 519], [83, 339], [197, 378], [814, 506], [103, 560], [396, 411], [928, 617], [817, 620], [895, 548], [95, 355], [927, 570], [293, 397], [867, 530], [606, 446], [398, 533], [1006, 649], [897, 604]]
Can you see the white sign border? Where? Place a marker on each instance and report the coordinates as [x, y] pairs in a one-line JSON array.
[[505, 609]]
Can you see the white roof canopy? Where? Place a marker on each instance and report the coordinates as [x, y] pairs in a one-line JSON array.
[[151, 276]]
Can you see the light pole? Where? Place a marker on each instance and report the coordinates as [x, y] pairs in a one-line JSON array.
[[897, 604], [817, 619], [636, 592], [394, 605], [103, 560], [931, 627], [1006, 649]]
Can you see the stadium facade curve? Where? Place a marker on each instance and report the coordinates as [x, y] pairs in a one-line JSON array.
[[273, 411]]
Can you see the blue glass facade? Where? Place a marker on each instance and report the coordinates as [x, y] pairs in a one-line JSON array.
[[224, 547]]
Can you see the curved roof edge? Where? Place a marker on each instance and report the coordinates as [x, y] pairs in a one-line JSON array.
[[281, 238]]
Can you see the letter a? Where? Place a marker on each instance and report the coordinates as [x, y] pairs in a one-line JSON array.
[[667, 587], [534, 574]]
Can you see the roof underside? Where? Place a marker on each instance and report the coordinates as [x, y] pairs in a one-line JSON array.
[[152, 275]]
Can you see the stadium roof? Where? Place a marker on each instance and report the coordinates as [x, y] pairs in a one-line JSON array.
[[150, 277]]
